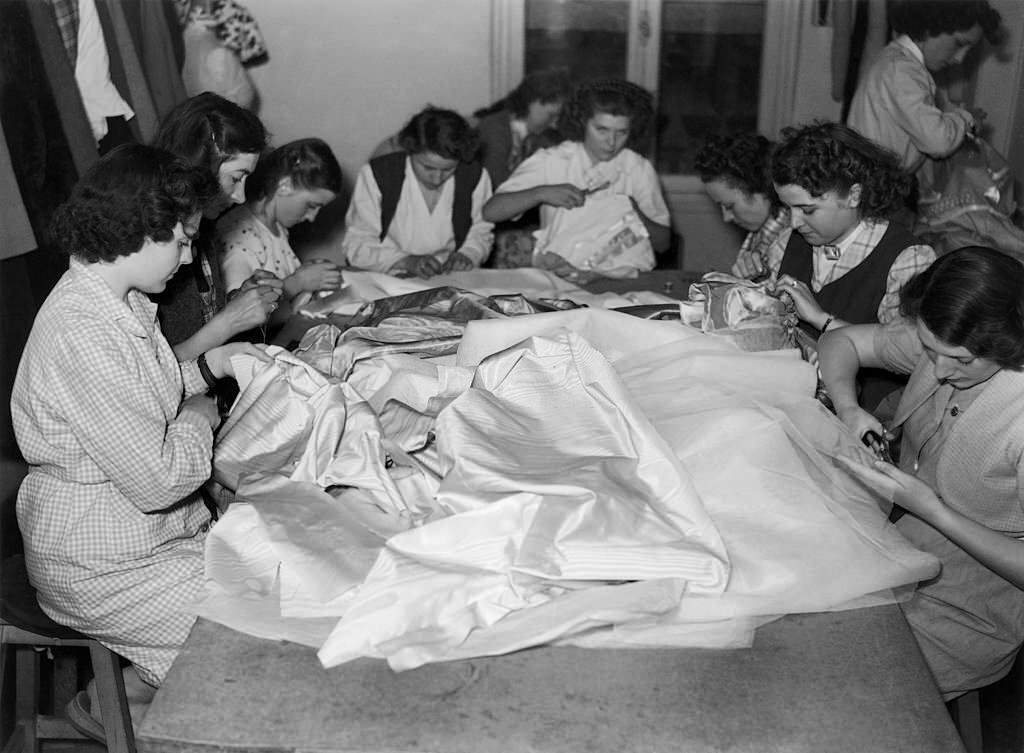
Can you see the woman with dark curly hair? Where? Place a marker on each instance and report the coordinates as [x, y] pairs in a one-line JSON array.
[[847, 262], [961, 463], [117, 433], [226, 140], [735, 174], [418, 212], [601, 121]]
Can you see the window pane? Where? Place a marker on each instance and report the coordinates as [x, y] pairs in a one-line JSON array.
[[587, 37], [709, 74]]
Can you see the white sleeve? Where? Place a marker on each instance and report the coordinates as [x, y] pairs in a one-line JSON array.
[[361, 245], [477, 245], [645, 188]]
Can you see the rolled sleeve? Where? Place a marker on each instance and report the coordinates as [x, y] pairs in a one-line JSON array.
[[911, 262]]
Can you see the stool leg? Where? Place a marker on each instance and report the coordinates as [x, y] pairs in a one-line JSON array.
[[26, 702], [117, 721]]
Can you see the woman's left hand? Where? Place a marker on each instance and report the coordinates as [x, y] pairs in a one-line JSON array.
[[458, 262], [557, 264], [219, 359], [903, 489]]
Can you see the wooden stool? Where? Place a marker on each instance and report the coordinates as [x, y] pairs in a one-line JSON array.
[[27, 628]]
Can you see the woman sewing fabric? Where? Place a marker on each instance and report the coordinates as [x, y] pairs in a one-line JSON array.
[[419, 212], [196, 314], [601, 120], [117, 433], [735, 172], [290, 186], [961, 465]]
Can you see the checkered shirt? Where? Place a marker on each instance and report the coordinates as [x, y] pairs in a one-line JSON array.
[[113, 529]]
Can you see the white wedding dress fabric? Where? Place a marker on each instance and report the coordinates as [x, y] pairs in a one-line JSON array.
[[581, 477]]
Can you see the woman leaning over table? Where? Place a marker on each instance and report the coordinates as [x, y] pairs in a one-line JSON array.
[[961, 466], [736, 176], [418, 212], [117, 433], [196, 313]]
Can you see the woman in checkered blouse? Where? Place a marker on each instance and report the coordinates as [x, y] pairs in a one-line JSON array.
[[118, 435]]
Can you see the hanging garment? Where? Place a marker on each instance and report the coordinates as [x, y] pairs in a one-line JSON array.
[[213, 67]]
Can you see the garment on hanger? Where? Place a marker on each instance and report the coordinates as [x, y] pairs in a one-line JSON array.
[[92, 72]]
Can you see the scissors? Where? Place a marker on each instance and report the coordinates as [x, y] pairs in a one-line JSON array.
[[879, 445]]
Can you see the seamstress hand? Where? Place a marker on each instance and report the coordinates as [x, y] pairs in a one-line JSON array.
[[219, 359], [859, 421], [250, 308], [749, 266], [319, 274], [205, 406], [909, 492], [412, 265], [261, 278], [458, 262], [564, 195], [562, 268], [807, 307]]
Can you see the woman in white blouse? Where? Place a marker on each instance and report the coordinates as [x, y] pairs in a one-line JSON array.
[[419, 212]]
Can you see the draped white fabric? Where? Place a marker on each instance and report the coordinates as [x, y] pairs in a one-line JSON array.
[[580, 476]]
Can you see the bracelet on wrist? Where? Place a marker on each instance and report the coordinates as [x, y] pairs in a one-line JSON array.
[[204, 370], [828, 321]]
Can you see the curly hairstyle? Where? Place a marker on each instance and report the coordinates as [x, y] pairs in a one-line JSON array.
[[972, 298], [540, 86], [740, 160], [825, 156], [207, 130], [443, 132], [309, 163], [132, 193], [611, 96], [920, 19]]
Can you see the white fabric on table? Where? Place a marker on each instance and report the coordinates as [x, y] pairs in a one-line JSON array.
[[566, 459]]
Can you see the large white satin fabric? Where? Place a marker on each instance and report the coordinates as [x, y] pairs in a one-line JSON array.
[[579, 476]]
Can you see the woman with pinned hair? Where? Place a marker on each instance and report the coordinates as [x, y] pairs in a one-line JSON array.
[[602, 120], [526, 120], [289, 186], [117, 433], [960, 476], [734, 169], [418, 212], [226, 140]]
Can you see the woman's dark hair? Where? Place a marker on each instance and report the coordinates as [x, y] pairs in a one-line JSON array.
[[740, 160], [539, 86], [972, 298], [206, 130], [823, 157], [611, 96], [443, 132], [920, 19], [309, 163], [132, 193]]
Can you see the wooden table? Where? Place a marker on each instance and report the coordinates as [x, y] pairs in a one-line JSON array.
[[828, 683]]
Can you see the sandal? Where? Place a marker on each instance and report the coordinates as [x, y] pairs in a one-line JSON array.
[[79, 711]]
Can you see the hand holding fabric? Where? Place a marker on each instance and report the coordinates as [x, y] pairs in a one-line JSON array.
[[564, 195], [219, 359], [412, 265], [318, 274], [203, 405], [807, 307], [903, 489]]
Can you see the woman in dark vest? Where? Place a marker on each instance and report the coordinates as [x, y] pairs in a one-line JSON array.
[[846, 262], [418, 212]]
